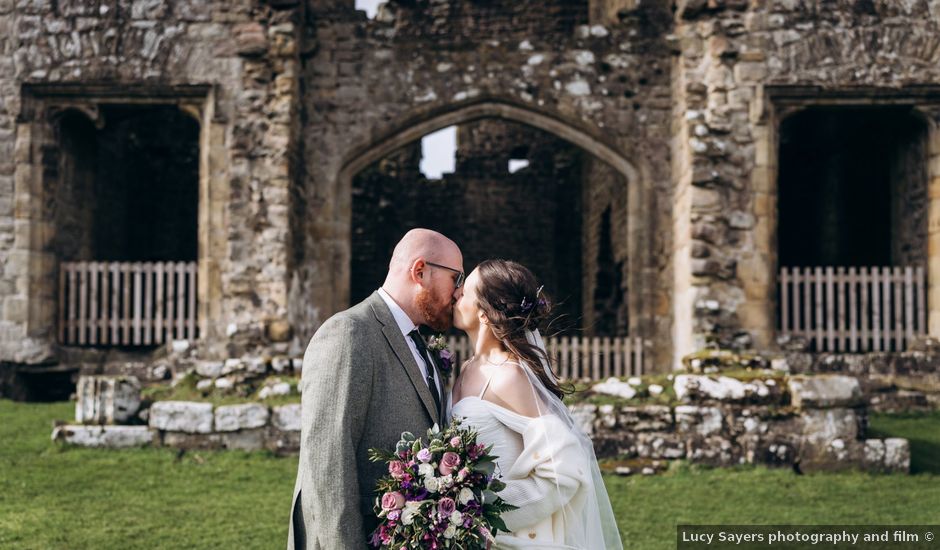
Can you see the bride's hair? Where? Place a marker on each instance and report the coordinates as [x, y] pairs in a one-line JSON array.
[[513, 302]]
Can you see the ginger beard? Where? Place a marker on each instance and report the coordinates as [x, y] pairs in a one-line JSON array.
[[439, 317]]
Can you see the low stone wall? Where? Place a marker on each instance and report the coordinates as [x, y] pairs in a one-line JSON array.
[[807, 422], [196, 425], [907, 381]]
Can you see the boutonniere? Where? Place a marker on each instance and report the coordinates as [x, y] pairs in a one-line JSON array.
[[439, 344]]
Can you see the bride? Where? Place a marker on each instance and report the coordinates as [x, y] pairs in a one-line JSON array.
[[507, 392]]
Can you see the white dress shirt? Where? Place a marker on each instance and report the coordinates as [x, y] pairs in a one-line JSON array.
[[406, 325]]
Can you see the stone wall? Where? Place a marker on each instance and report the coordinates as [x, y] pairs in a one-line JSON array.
[[233, 66], [372, 86], [683, 100], [742, 69], [809, 423]]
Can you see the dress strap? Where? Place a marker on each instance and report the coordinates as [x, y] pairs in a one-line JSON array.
[[490, 377]]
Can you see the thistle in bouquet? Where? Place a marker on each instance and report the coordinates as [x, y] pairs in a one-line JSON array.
[[442, 494]]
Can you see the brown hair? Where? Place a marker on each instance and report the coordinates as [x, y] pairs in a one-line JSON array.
[[513, 302]]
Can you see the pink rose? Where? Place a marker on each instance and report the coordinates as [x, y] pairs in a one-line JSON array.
[[393, 501], [446, 507], [424, 455], [394, 515], [396, 468], [455, 441], [449, 462]]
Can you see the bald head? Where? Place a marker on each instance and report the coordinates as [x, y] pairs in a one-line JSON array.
[[425, 244], [422, 277]]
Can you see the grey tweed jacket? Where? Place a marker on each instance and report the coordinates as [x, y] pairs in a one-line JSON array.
[[361, 388]]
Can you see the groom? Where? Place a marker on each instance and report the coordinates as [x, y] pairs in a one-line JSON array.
[[367, 377]]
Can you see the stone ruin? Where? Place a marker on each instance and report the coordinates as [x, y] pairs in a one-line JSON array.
[[794, 411], [683, 153], [677, 133]]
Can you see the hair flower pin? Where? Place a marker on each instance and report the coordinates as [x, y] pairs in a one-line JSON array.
[[526, 305]]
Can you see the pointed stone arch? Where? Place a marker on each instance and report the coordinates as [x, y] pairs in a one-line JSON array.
[[415, 125]]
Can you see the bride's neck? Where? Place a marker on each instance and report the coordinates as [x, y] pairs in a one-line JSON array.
[[485, 344]]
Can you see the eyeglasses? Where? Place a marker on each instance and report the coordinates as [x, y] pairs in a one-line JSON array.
[[458, 282]]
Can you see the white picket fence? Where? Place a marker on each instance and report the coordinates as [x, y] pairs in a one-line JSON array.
[[125, 303], [581, 357], [849, 309]]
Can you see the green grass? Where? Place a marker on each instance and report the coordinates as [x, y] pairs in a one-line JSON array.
[[59, 497], [923, 432]]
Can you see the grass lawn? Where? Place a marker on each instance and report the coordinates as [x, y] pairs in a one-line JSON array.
[[55, 497]]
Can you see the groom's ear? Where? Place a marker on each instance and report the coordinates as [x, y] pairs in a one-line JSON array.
[[417, 271]]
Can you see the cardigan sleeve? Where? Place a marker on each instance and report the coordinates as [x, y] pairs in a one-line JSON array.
[[549, 472]]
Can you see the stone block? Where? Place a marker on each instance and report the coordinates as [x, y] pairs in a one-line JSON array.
[[713, 450], [106, 399], [181, 416], [103, 436], [584, 415], [615, 387], [825, 391], [189, 441], [821, 426], [209, 369], [650, 418], [897, 455], [282, 441], [287, 417], [245, 440], [240, 417], [703, 421], [659, 445]]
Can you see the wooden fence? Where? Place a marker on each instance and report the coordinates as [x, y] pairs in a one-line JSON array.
[[853, 309], [579, 357], [126, 304]]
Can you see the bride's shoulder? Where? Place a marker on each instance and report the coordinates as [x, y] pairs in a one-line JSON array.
[[511, 388]]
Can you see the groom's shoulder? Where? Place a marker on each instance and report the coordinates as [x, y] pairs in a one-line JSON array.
[[358, 319]]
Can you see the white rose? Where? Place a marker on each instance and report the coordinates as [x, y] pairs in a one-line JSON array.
[[409, 512], [456, 517], [450, 532], [426, 470], [446, 481], [432, 484], [465, 496]]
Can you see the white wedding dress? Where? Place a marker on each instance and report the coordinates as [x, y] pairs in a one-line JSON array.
[[548, 474]]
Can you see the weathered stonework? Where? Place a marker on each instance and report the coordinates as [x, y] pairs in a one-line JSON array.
[[677, 107]]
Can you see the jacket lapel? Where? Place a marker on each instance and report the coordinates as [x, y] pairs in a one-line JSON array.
[[396, 340]]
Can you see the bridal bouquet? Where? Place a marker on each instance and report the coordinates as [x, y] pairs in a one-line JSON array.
[[439, 495]]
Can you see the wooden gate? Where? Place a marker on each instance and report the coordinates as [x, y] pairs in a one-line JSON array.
[[126, 304], [853, 309], [583, 357]]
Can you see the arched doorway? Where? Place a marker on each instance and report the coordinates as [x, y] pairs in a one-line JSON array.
[[525, 186]]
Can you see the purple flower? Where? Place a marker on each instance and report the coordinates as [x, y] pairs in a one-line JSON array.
[[446, 507], [447, 360], [424, 455]]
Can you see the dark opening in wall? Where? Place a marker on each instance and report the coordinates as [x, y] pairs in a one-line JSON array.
[[610, 313], [130, 190], [533, 216], [852, 188]]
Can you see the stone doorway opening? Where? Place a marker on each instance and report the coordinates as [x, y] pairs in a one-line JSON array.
[[852, 227], [125, 213], [513, 191]]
